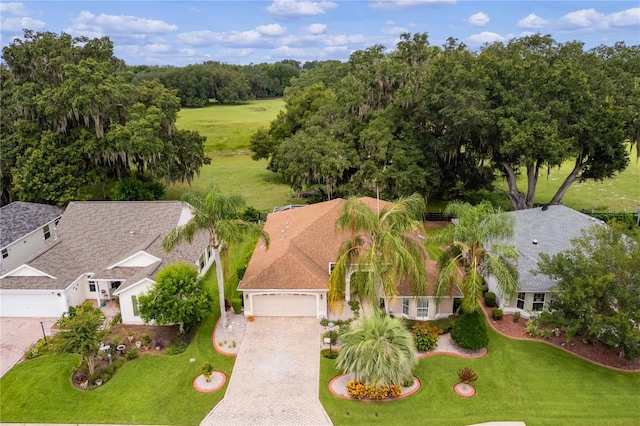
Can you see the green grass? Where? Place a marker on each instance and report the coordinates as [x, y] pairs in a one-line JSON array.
[[149, 390], [518, 380], [228, 128]]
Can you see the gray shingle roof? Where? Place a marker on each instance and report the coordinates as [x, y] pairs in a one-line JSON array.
[[20, 218], [94, 235], [553, 231]]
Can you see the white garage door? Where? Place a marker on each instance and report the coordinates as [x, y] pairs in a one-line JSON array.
[[284, 305], [28, 305]]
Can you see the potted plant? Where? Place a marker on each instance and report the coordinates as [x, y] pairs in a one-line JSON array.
[[206, 369], [466, 376]]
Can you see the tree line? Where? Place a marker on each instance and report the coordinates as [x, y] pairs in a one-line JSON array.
[[443, 121]]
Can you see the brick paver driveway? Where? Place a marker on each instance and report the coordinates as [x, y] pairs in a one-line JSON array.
[[275, 377], [16, 334]]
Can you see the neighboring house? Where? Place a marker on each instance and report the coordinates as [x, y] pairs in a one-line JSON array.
[[291, 278], [24, 228], [102, 250], [549, 230]]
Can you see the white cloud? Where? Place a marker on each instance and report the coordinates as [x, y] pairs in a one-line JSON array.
[[484, 37], [394, 30], [14, 8], [532, 21], [18, 24], [291, 9], [316, 29], [625, 18], [390, 22], [583, 18], [271, 29], [249, 38], [407, 4], [118, 24], [236, 52], [479, 19]]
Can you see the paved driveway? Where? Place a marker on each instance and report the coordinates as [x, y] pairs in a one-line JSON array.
[[275, 377], [16, 334]]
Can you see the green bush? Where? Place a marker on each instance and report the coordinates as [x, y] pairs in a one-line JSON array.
[[516, 316], [470, 331], [241, 271], [131, 354], [445, 324], [425, 336], [497, 314], [236, 304], [177, 347], [330, 354], [490, 299]]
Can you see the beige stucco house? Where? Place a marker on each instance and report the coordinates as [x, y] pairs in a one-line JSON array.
[[549, 230], [291, 277], [101, 251]]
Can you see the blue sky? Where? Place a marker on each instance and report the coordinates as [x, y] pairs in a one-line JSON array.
[[242, 32]]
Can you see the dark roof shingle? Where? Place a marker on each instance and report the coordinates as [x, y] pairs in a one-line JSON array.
[[21, 218]]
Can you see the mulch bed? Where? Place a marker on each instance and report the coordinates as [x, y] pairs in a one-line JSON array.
[[591, 352]]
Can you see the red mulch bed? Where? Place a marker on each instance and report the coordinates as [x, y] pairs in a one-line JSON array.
[[595, 353]]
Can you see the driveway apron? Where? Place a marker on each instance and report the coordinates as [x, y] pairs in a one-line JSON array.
[[276, 376], [16, 335]]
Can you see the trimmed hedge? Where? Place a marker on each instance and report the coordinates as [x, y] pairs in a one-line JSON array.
[[490, 299], [470, 331]]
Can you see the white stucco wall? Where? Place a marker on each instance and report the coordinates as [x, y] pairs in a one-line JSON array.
[[126, 302], [23, 249]]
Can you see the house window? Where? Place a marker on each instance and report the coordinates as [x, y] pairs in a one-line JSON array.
[[92, 287], [332, 266], [538, 301], [209, 252], [422, 304], [202, 261], [520, 301], [136, 307], [115, 284], [47, 232], [405, 306], [5, 253]]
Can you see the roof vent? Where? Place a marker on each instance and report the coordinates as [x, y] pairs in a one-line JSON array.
[[545, 207], [534, 241]]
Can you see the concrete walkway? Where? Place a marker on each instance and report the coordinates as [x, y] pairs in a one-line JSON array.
[[275, 377]]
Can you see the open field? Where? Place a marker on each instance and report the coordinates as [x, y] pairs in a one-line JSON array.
[[518, 380]]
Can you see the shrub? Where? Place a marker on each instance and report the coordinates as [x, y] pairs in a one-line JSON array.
[[533, 329], [236, 304], [118, 363], [467, 375], [516, 316], [445, 324], [407, 382], [177, 347], [206, 369], [117, 319], [116, 340], [497, 314], [359, 390], [159, 344], [355, 307], [39, 348], [425, 336], [490, 299], [145, 339], [328, 353], [470, 332], [131, 354], [240, 271]]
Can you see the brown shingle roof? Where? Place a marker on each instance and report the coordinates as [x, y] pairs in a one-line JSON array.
[[94, 235], [21, 218], [303, 242]]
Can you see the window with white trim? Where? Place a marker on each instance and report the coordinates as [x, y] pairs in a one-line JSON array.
[[332, 266], [520, 301], [405, 306], [5, 253], [115, 284], [47, 232], [538, 301], [202, 261], [92, 286], [422, 305]]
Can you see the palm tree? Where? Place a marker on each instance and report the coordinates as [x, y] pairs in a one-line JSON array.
[[218, 214], [476, 227], [381, 249], [378, 350]]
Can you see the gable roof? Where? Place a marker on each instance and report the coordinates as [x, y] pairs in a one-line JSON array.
[[303, 242], [21, 218], [552, 229], [96, 235]]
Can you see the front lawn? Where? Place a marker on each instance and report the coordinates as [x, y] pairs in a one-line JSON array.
[[155, 389], [518, 380]]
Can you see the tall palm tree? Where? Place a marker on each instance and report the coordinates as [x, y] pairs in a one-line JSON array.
[[378, 349], [475, 242], [218, 214], [380, 248]]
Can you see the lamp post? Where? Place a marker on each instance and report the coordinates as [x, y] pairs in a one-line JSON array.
[[331, 325], [43, 333]]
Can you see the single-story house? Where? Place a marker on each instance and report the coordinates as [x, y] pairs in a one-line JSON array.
[[291, 277], [24, 228], [101, 251], [547, 229]]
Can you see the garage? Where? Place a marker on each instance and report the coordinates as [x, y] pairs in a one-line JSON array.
[[30, 304], [285, 305]]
